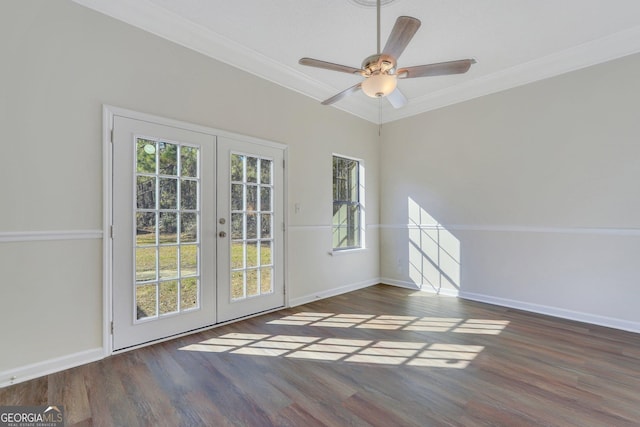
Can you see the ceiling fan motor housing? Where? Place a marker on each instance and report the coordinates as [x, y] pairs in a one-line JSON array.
[[378, 63]]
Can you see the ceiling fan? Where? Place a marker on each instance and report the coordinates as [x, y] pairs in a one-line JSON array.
[[379, 70]]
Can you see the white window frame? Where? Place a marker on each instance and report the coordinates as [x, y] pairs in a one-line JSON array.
[[361, 203]]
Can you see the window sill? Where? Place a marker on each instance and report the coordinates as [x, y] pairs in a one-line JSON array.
[[347, 251]]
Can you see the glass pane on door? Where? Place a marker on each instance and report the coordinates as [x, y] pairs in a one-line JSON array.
[[251, 225], [167, 238]]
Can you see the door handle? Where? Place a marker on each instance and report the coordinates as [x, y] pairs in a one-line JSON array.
[[222, 234]]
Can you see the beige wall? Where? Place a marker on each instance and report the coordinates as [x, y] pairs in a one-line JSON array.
[[536, 193], [60, 63]]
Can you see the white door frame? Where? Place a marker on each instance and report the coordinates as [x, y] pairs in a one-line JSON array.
[[108, 114]]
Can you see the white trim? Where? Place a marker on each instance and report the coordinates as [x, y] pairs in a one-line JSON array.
[[579, 316], [166, 24], [309, 227], [163, 23], [112, 111], [107, 218], [419, 287], [362, 184], [608, 48], [109, 112], [356, 159], [516, 229], [285, 218], [46, 367], [332, 292], [413, 227], [323, 227], [560, 230], [35, 236], [340, 252]]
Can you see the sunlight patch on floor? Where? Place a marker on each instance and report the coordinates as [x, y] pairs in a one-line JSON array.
[[410, 353], [388, 322]]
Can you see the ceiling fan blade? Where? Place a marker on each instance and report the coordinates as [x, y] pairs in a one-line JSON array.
[[339, 96], [401, 34], [310, 62], [439, 69], [397, 99]]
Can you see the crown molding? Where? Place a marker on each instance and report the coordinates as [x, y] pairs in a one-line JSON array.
[[149, 17], [597, 51], [156, 20]]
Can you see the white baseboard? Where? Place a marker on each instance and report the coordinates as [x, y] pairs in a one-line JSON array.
[[593, 319], [399, 283], [332, 292], [418, 287], [46, 367]]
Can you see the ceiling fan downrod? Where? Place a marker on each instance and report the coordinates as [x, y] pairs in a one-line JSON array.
[[378, 69], [378, 25]]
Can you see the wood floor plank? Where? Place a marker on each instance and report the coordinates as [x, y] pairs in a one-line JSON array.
[[381, 356], [69, 386], [34, 392], [294, 416], [106, 395]]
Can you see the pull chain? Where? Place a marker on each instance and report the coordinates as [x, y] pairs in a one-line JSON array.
[[379, 115]]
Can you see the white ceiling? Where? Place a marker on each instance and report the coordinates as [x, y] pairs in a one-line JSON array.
[[514, 41]]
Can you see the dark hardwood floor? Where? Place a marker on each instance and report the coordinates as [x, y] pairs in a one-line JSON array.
[[381, 356]]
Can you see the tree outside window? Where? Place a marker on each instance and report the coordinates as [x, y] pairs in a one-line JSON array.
[[347, 204]]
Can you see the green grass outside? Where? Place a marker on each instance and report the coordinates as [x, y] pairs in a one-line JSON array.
[[167, 291]]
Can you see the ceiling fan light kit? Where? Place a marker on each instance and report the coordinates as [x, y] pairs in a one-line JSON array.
[[379, 70], [379, 85]]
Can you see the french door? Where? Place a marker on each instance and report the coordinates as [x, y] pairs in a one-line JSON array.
[[194, 240], [250, 228]]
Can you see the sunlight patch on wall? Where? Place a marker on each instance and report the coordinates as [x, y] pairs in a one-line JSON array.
[[410, 353], [388, 322], [434, 253]]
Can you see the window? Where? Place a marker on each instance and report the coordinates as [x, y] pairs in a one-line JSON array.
[[252, 212], [166, 218], [348, 198]]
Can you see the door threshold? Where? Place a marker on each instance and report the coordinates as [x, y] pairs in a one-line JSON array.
[[194, 331]]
